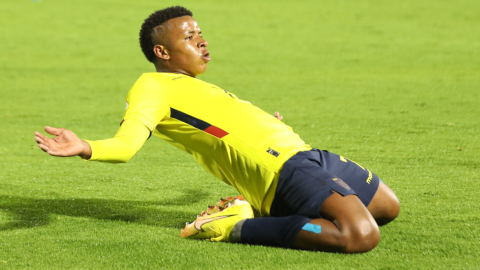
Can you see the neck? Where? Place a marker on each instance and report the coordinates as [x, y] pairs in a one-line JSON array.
[[168, 70]]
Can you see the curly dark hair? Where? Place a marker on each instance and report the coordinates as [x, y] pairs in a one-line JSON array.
[[155, 19]]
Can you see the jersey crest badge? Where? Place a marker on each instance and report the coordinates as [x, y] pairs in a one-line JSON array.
[[273, 152]]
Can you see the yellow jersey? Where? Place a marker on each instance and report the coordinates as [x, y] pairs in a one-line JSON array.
[[232, 139]]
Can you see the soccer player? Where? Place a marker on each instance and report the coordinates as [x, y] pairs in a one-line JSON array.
[[307, 198]]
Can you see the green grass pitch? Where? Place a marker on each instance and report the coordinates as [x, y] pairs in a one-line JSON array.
[[393, 85]]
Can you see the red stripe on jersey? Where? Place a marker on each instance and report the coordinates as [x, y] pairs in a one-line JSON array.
[[216, 131]]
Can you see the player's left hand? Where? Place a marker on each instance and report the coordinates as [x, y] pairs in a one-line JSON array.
[[278, 116]]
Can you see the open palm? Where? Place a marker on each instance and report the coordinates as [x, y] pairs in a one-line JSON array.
[[64, 144]]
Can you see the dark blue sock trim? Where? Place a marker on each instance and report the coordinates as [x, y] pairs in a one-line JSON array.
[[272, 231]]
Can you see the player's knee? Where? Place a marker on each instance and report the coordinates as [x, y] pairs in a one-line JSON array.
[[361, 238], [385, 206], [356, 238], [392, 210]]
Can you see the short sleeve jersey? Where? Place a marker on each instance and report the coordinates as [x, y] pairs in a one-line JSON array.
[[232, 139]]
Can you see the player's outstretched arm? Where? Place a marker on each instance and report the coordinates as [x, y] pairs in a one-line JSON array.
[[64, 144]]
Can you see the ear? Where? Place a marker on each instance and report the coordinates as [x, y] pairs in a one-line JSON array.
[[161, 52]]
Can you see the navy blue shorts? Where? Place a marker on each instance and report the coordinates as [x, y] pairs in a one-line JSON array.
[[308, 178]]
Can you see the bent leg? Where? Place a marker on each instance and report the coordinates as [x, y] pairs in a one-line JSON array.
[[347, 227], [376, 195], [320, 185], [384, 206]]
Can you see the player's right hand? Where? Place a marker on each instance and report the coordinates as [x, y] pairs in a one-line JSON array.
[[278, 116], [64, 144]]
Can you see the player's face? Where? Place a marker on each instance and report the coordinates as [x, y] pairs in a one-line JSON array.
[[186, 46]]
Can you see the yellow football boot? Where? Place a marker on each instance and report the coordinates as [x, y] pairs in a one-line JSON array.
[[218, 225]]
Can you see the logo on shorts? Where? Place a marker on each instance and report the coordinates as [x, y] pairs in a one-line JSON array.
[[341, 183], [369, 179]]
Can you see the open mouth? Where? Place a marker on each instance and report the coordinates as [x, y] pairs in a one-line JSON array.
[[206, 56]]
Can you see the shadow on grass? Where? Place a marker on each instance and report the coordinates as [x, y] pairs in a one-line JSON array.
[[31, 212]]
